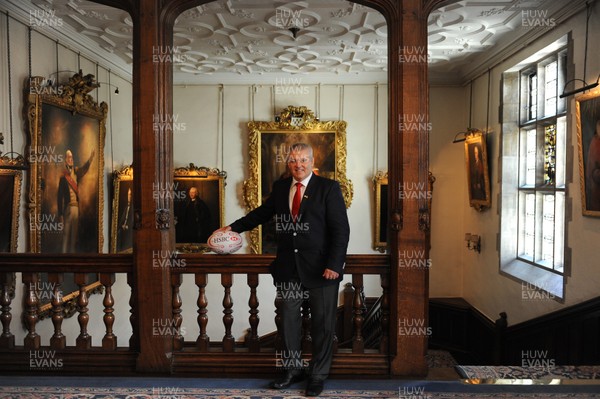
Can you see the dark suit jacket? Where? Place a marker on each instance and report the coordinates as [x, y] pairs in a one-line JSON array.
[[318, 240]]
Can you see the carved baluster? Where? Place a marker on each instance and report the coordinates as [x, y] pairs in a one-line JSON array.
[[385, 314], [203, 340], [110, 340], [58, 340], [7, 281], [32, 339], [279, 337], [84, 340], [306, 322], [252, 340], [177, 318], [348, 298], [134, 340], [358, 344], [228, 340]]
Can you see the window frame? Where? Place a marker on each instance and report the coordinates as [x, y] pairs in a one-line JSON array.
[[516, 106]]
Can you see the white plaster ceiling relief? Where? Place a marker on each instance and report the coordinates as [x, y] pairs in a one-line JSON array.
[[227, 38]]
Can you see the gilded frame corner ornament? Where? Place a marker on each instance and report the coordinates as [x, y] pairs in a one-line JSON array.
[[210, 183], [292, 124]]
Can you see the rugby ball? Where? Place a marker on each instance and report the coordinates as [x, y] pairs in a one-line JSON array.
[[225, 242]]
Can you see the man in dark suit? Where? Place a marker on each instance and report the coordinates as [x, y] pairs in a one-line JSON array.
[[312, 239]]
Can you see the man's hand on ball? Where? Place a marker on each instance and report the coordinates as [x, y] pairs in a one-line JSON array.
[[330, 274], [222, 229]]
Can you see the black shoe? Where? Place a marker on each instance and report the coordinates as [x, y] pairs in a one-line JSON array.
[[288, 379], [314, 387]]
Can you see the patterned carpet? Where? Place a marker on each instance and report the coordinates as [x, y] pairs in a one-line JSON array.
[[180, 388], [537, 373]]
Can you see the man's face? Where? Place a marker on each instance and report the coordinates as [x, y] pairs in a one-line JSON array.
[[300, 164], [69, 158], [193, 193]]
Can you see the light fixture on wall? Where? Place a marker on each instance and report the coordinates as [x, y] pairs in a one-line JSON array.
[[586, 86], [110, 85], [473, 242], [294, 30], [581, 89]]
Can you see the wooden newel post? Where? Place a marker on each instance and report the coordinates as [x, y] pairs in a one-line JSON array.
[[408, 150], [154, 241]]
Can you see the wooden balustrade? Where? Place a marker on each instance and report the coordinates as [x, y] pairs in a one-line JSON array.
[[229, 357], [199, 355], [82, 357]]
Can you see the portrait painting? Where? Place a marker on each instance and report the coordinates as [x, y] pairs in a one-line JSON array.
[[380, 188], [121, 238], [66, 154], [66, 197], [588, 140], [478, 179], [198, 203], [11, 175], [269, 151]]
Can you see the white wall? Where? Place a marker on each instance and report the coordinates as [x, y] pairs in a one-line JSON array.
[[117, 153], [200, 109], [448, 116], [482, 285]]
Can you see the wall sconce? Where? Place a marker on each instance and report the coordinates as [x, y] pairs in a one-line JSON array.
[[473, 242], [294, 30], [110, 85]]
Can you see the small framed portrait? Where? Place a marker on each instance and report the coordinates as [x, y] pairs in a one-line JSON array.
[[121, 237], [66, 154], [588, 141], [11, 177], [199, 206], [270, 144], [478, 178], [380, 189]]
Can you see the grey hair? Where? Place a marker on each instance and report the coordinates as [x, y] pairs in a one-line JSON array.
[[302, 147]]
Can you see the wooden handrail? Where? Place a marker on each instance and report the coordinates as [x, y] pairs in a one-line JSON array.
[[246, 263], [194, 263], [66, 263]]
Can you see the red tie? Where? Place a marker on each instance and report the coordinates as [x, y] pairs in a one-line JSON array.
[[296, 201]]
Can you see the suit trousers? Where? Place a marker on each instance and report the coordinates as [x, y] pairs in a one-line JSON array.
[[323, 307]]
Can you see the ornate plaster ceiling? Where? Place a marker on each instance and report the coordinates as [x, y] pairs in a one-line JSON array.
[[336, 41]]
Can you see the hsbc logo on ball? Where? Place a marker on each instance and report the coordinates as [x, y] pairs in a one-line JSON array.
[[225, 242], [225, 239]]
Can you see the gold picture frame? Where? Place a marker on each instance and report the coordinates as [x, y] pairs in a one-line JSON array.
[[195, 220], [380, 188], [65, 120], [122, 222], [11, 178], [268, 142], [478, 177], [588, 143]]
